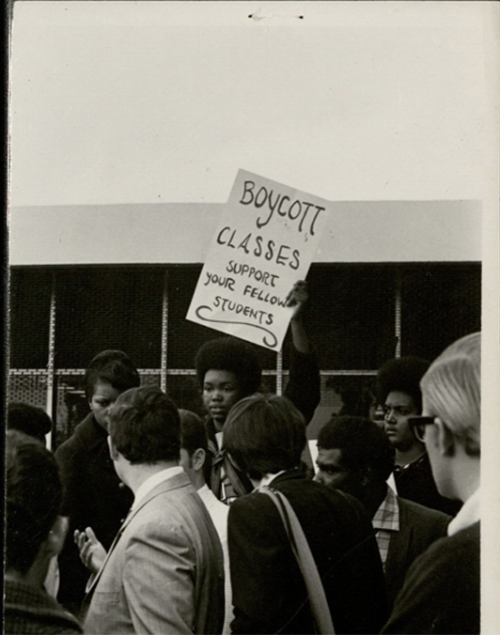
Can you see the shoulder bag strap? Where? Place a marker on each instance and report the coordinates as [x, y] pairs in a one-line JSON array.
[[305, 560]]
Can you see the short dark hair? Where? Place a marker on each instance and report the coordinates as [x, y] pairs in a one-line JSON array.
[[402, 374], [366, 449], [265, 435], [233, 355], [28, 419], [111, 367], [193, 433], [144, 425], [34, 497]]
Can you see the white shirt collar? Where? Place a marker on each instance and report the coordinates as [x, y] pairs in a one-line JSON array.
[[151, 482], [268, 478], [209, 498], [219, 439], [468, 515], [206, 494]]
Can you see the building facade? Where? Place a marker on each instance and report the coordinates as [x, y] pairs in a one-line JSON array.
[[70, 297]]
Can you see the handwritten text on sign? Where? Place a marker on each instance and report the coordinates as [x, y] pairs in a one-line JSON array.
[[264, 243]]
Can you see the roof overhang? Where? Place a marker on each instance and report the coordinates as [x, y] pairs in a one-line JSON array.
[[380, 231]]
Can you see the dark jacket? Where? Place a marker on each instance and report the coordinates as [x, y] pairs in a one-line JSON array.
[[28, 610], [441, 593], [416, 483], [419, 527], [303, 390], [94, 497], [269, 595]]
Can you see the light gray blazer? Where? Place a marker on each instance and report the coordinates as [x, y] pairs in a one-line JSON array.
[[164, 572]]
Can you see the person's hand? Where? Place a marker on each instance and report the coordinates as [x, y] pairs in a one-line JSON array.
[[92, 552], [297, 298]]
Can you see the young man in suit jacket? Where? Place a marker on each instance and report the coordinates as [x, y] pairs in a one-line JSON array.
[[355, 456], [265, 438], [164, 572]]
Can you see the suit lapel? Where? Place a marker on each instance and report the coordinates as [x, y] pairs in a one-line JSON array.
[[174, 482], [108, 555]]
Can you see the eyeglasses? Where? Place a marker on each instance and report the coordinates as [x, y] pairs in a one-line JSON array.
[[417, 424]]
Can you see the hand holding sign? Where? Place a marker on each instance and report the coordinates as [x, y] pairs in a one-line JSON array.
[[297, 298], [264, 243]]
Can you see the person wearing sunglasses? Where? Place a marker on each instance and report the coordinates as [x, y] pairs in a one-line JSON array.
[[441, 593]]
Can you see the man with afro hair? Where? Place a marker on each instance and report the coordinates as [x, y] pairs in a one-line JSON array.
[[356, 457], [228, 370], [398, 390]]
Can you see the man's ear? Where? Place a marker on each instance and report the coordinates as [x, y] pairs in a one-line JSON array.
[[198, 459], [57, 535], [446, 440], [113, 452]]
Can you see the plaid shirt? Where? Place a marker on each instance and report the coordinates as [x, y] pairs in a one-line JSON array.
[[386, 521], [33, 611]]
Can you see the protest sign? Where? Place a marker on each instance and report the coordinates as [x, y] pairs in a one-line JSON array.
[[264, 243]]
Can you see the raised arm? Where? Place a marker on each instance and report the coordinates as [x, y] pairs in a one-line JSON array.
[[298, 298], [303, 387]]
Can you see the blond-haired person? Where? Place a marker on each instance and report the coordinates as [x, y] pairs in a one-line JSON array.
[[441, 593]]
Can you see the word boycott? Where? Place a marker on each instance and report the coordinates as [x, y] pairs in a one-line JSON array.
[[281, 204]]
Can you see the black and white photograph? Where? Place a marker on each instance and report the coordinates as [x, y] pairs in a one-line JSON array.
[[253, 365]]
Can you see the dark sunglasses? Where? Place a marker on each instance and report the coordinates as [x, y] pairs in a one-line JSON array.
[[417, 424]]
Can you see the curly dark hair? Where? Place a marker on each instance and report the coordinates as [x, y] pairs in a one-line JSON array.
[[233, 355], [402, 374], [366, 449]]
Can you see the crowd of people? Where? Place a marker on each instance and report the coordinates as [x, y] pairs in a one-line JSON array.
[[149, 519]]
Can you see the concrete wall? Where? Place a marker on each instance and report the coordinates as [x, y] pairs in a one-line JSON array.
[[382, 231]]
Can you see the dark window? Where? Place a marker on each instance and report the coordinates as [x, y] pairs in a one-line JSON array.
[[108, 308], [351, 315], [440, 304], [351, 320], [29, 317]]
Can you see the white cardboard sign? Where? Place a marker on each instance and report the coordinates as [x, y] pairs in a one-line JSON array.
[[265, 241]]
